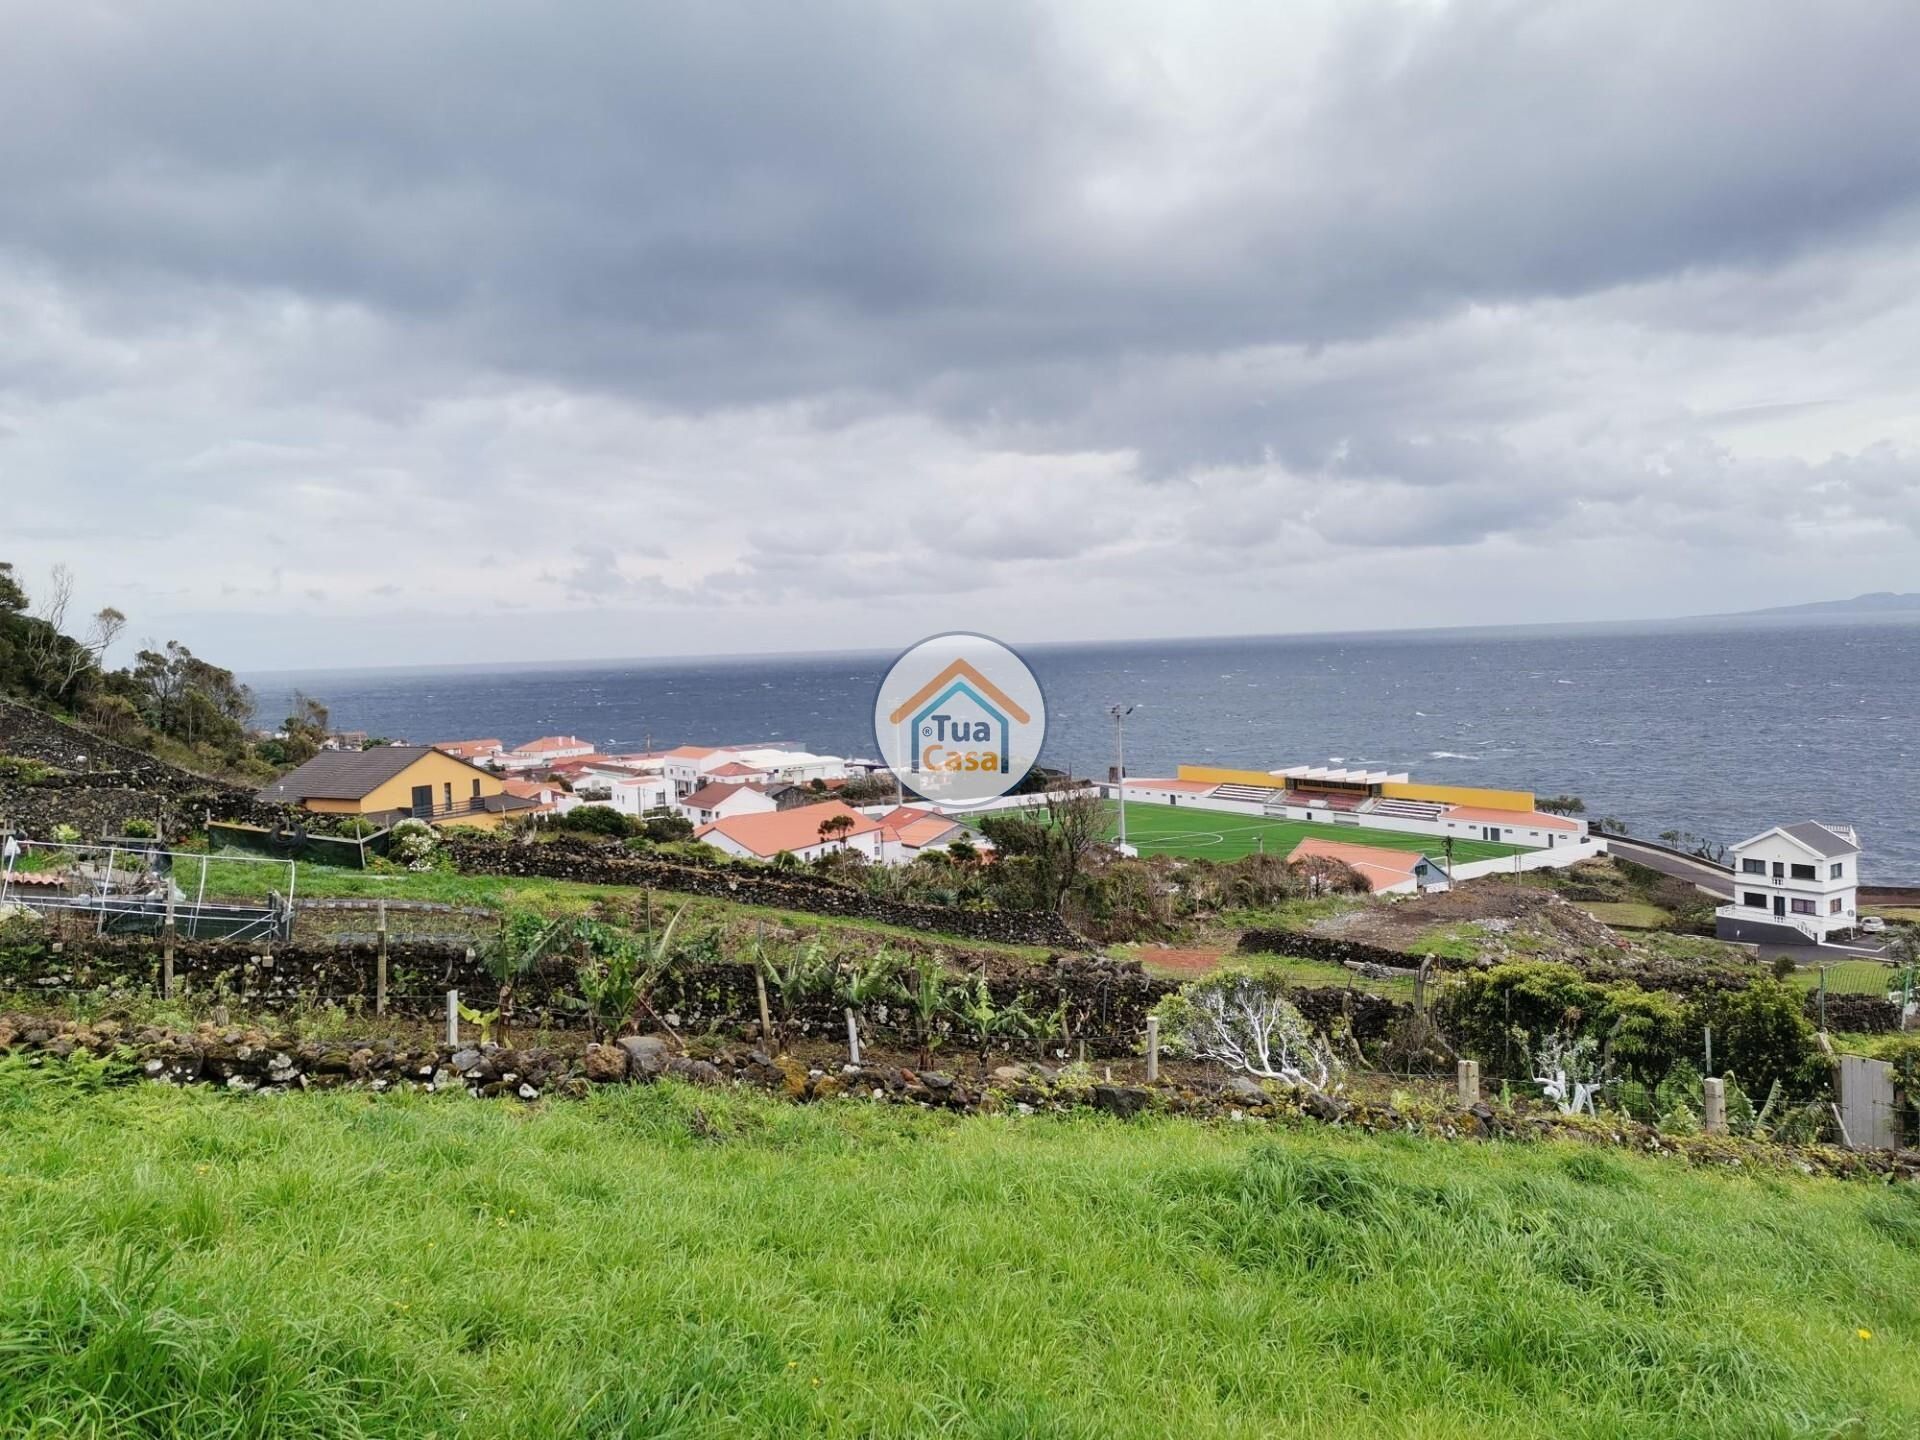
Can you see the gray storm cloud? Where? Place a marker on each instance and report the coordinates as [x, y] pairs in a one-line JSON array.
[[790, 322]]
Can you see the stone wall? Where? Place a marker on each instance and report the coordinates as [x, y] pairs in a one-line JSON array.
[[254, 1061], [1103, 1002], [748, 884], [108, 784]]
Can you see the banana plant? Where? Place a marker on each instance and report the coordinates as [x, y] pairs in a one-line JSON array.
[[793, 972], [621, 970], [858, 983], [525, 938], [928, 994], [976, 1009]]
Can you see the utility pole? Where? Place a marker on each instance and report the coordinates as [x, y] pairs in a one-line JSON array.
[[1120, 713]]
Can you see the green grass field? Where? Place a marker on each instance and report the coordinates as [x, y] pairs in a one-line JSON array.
[[1220, 835], [675, 1263]]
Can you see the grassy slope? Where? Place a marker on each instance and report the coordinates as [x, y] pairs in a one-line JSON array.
[[1219, 835], [668, 1263], [234, 880]]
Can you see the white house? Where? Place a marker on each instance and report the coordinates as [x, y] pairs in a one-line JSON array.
[[716, 800], [637, 794], [1793, 882]]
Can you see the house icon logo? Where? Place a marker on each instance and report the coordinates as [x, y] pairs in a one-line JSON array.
[[960, 719]]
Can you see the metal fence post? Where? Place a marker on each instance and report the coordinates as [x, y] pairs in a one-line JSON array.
[[453, 1017], [380, 963], [166, 948]]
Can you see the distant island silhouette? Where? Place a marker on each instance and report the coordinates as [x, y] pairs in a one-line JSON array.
[[1879, 602]]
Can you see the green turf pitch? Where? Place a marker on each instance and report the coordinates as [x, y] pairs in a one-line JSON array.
[[1223, 835]]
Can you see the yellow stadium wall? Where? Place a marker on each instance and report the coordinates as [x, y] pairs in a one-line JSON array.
[[1439, 794], [1214, 775], [1462, 795]]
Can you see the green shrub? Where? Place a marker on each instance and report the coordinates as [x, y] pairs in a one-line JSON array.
[[1502, 1013], [138, 829], [596, 819], [1762, 1033]]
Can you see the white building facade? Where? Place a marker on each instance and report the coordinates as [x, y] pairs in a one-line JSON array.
[[1793, 880]]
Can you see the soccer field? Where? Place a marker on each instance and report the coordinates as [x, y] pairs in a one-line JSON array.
[[1223, 835]]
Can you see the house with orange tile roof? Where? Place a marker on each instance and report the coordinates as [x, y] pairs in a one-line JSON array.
[[913, 830], [545, 752], [796, 832], [1386, 871], [474, 752]]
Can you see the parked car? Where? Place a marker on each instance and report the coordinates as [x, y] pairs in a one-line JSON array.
[[1872, 924]]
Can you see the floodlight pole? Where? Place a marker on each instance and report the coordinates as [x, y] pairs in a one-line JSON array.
[[1120, 713]]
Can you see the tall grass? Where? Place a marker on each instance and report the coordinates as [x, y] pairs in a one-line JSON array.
[[664, 1262]]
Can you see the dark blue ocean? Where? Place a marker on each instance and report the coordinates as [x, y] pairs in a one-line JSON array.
[[1720, 728]]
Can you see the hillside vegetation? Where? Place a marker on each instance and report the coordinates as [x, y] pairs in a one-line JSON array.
[[664, 1262]]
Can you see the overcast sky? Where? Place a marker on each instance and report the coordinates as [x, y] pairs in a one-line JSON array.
[[447, 331]]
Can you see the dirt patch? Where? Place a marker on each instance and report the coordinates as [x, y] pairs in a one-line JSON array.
[[1186, 964]]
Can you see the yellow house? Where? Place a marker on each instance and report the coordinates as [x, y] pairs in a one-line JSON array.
[[393, 782]]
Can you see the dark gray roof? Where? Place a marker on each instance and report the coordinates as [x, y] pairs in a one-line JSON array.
[[1819, 837], [344, 774]]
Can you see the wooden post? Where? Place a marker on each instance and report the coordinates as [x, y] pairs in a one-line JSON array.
[[1153, 1049], [766, 1017], [853, 1037], [453, 1017], [1714, 1107], [1467, 1080], [166, 947], [380, 962]]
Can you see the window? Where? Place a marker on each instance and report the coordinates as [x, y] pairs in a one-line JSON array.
[[1753, 867], [1836, 870], [446, 790], [1753, 899], [1803, 907], [1804, 872], [476, 789], [1833, 906]]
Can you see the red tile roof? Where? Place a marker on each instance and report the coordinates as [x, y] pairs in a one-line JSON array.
[[1379, 866], [1522, 819], [766, 835], [467, 749], [690, 752], [736, 768], [548, 743], [710, 796]]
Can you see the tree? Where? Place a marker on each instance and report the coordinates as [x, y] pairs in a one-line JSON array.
[[1696, 845], [1562, 805], [306, 729], [835, 827], [1046, 855], [1245, 1022], [186, 698], [1610, 825], [1325, 875]]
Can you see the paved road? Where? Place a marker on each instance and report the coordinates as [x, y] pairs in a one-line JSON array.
[[1714, 879]]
